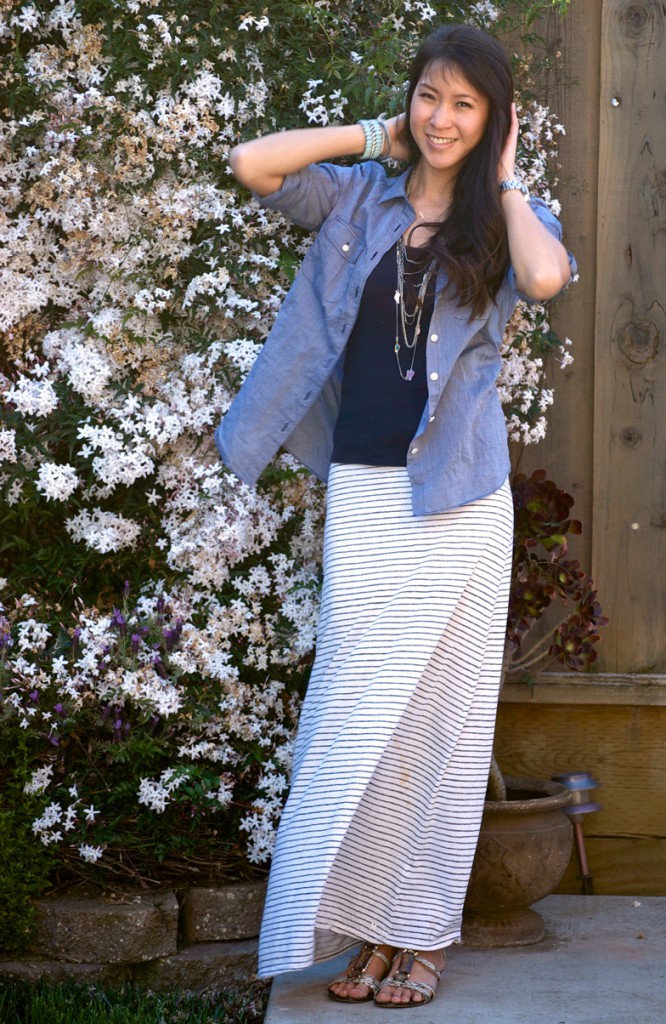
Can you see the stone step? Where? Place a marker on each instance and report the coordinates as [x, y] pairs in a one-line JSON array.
[[206, 941], [106, 930]]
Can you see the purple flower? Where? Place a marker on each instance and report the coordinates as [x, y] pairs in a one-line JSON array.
[[118, 620], [160, 667], [5, 634]]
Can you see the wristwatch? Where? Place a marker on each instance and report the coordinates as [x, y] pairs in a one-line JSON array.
[[511, 184]]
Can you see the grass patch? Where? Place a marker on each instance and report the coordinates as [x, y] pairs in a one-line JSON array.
[[23, 1002]]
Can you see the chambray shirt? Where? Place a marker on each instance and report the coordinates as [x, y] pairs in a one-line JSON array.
[[291, 396]]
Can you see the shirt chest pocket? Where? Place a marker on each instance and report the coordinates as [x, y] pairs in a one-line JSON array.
[[334, 260]]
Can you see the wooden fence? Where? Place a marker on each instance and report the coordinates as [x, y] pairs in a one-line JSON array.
[[607, 437]]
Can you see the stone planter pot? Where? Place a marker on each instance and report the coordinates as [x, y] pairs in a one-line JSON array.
[[523, 851]]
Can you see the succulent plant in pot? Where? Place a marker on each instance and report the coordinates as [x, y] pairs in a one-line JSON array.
[[525, 841]]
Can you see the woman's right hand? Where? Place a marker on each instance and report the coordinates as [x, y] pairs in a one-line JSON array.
[[396, 129]]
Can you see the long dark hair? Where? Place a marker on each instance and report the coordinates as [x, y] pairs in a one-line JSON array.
[[471, 244]]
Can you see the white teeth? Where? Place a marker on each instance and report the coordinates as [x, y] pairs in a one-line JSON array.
[[434, 138]]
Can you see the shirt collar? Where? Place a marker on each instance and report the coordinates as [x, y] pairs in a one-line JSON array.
[[396, 188]]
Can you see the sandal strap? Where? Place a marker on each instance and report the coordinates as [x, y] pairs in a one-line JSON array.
[[359, 979], [416, 986], [428, 964], [356, 972], [415, 958]]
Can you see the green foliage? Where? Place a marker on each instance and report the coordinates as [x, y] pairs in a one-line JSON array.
[[29, 1003], [24, 874], [142, 282]]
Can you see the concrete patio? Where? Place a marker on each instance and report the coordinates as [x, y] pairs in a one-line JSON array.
[[603, 961]]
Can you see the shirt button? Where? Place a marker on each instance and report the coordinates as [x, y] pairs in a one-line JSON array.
[[345, 247], [414, 451], [434, 376], [434, 337]]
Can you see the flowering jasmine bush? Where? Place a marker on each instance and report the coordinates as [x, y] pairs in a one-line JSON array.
[[157, 617]]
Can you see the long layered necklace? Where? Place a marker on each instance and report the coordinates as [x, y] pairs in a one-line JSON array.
[[406, 321]]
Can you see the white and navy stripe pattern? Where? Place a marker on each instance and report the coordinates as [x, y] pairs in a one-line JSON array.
[[391, 762]]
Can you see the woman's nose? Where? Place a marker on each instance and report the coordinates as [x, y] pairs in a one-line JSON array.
[[441, 115]]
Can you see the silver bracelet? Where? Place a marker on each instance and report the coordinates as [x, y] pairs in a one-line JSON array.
[[387, 139], [513, 184], [375, 135]]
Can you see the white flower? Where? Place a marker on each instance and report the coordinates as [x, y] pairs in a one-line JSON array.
[[103, 531], [85, 362], [39, 781], [259, 23], [91, 854], [155, 794], [484, 13], [32, 635], [32, 397], [320, 108], [7, 445], [27, 18], [57, 482]]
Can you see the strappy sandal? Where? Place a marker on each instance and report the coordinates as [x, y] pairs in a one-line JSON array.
[[402, 979], [357, 974]]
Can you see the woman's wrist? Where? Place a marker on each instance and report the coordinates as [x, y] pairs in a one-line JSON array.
[[513, 184], [377, 139]]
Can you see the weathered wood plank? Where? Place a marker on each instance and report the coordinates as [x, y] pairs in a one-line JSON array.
[[586, 688], [621, 867], [629, 528], [622, 746], [573, 94]]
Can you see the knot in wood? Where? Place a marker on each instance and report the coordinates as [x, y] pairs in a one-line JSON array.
[[639, 341], [632, 437], [642, 23]]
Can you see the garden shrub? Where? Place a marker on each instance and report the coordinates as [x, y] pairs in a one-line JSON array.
[[158, 617]]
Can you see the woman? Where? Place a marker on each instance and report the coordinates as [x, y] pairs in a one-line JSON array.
[[379, 375]]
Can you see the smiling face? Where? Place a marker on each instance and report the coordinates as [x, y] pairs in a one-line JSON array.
[[447, 118]]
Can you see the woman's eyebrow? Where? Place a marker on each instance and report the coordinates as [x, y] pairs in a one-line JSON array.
[[425, 84]]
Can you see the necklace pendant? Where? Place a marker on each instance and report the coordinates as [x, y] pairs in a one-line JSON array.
[[409, 374], [396, 347]]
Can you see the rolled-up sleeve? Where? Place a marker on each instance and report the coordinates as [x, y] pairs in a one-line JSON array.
[[308, 196]]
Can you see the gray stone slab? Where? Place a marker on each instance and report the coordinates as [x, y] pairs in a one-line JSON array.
[[223, 913], [603, 961], [106, 930], [205, 967]]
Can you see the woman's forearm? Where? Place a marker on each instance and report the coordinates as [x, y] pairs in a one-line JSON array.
[[261, 164], [539, 260]]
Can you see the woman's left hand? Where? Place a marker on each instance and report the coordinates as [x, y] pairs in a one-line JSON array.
[[508, 158]]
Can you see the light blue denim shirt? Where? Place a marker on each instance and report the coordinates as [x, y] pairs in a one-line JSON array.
[[292, 393]]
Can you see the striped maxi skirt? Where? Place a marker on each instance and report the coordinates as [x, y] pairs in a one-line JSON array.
[[391, 760]]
